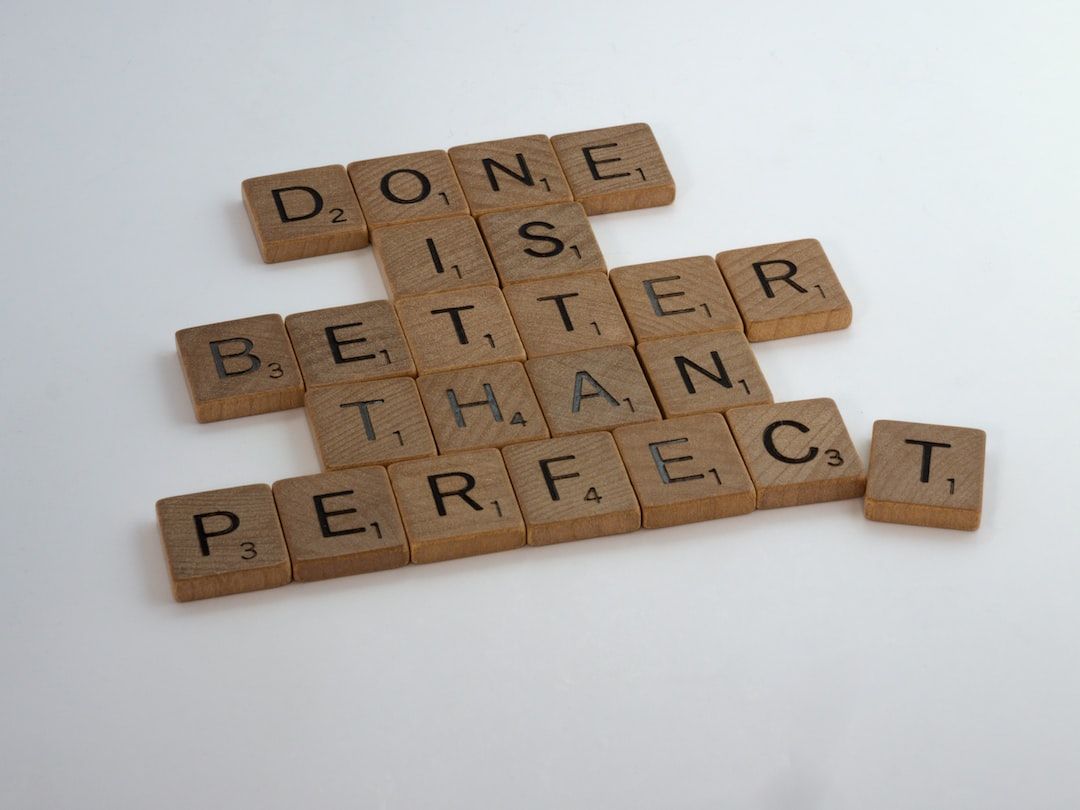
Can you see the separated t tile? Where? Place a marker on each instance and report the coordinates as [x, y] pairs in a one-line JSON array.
[[304, 213], [926, 475], [685, 470], [223, 541], [240, 368], [785, 289], [797, 452], [571, 488]]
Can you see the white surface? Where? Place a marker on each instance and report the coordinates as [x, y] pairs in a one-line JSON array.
[[791, 659]]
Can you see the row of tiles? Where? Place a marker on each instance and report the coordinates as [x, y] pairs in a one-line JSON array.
[[330, 209], [650, 475], [260, 364]]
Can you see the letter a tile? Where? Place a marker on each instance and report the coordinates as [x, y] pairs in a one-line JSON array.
[[926, 475], [511, 173], [407, 188]]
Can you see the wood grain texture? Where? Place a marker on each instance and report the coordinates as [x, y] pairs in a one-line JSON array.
[[706, 373], [352, 343], [785, 289], [572, 488], [433, 256], [457, 505], [223, 541], [407, 188], [458, 329], [926, 475], [483, 406], [510, 173], [615, 168], [305, 213], [797, 452], [541, 242], [598, 389], [374, 422], [685, 470], [567, 314], [240, 368], [341, 523], [675, 297]]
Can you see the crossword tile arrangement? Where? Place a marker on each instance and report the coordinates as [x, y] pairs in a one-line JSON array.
[[513, 391]]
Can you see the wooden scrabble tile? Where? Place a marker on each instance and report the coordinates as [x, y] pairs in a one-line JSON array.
[[615, 168], [350, 344], [685, 470], [223, 541], [240, 368], [592, 390], [373, 422], [483, 406], [572, 488], [459, 328], [407, 188], [310, 212], [511, 173], [457, 505], [433, 256], [703, 373], [675, 297], [926, 475], [797, 452], [532, 243], [567, 314], [341, 523], [785, 289]]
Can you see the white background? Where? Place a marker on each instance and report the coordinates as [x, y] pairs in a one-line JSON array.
[[797, 658]]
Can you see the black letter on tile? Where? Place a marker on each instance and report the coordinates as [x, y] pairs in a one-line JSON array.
[[316, 199], [219, 359], [766, 281], [204, 535], [439, 495], [324, 516], [927, 450], [770, 445]]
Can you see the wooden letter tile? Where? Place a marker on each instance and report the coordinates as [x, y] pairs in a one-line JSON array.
[[567, 314], [532, 243], [685, 470], [483, 406], [511, 173], [459, 329], [615, 169], [797, 452], [704, 373], [350, 344], [592, 390], [375, 422], [926, 475], [457, 505], [341, 523], [433, 256], [223, 541], [240, 368], [785, 289], [305, 213], [572, 488], [407, 188], [675, 297]]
